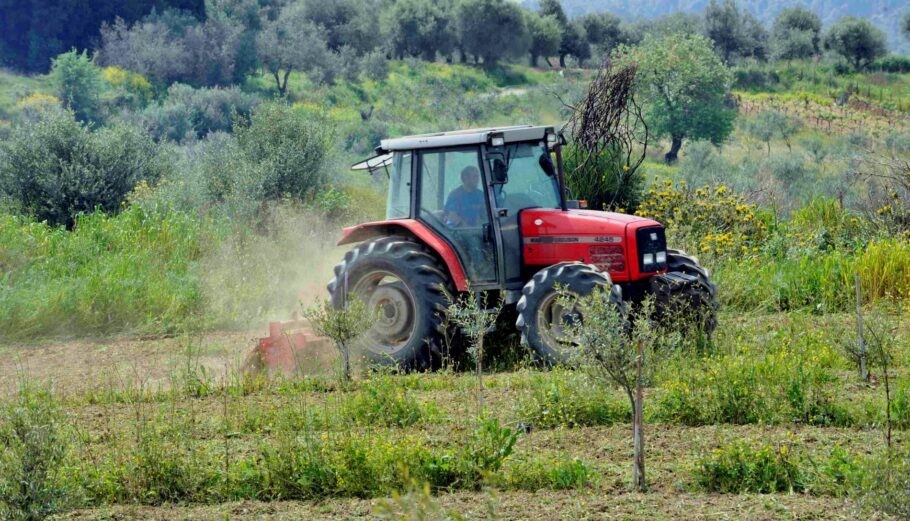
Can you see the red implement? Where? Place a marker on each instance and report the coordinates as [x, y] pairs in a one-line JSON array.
[[288, 348]]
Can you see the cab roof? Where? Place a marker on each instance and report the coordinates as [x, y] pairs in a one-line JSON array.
[[463, 137]]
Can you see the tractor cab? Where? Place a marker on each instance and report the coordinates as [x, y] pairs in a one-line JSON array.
[[486, 210]]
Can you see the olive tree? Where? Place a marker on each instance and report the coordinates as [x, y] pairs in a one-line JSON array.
[[56, 167], [857, 40], [419, 28], [796, 34], [684, 86], [734, 33], [545, 36], [292, 42], [492, 30]]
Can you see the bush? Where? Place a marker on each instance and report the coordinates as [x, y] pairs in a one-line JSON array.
[[892, 63], [188, 113], [56, 167], [536, 472], [382, 402], [605, 181], [568, 399], [286, 150], [702, 165], [737, 468], [77, 81], [712, 220], [34, 448]]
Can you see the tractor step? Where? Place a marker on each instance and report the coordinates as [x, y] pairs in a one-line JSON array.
[[290, 349]]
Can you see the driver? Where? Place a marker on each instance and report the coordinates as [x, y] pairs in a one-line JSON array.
[[465, 205]]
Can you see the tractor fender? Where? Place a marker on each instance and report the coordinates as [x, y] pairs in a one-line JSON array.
[[416, 229]]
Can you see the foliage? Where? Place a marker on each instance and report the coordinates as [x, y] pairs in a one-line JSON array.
[[130, 272], [734, 34], [684, 86], [738, 467], [606, 181], [56, 167], [342, 325], [796, 34], [570, 399], [480, 30], [709, 219], [78, 84], [545, 36], [174, 46], [419, 28], [292, 42], [857, 40], [285, 150], [888, 489], [131, 89], [188, 114], [34, 447]]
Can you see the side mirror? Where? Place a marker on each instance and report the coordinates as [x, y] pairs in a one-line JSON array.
[[546, 163], [500, 172]]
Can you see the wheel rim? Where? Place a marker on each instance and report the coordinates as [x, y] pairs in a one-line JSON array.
[[390, 300], [553, 321]]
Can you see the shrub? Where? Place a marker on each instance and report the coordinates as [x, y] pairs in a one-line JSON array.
[[56, 167], [738, 467], [702, 165], [892, 63], [537, 472], [382, 402], [822, 225], [188, 113], [789, 169], [888, 483], [286, 149], [34, 449], [569, 399], [605, 181], [132, 89], [486, 451], [77, 81], [709, 219]]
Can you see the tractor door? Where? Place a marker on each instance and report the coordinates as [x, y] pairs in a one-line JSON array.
[[453, 200]]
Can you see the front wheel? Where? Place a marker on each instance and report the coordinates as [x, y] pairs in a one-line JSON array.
[[403, 284], [692, 303], [542, 318]]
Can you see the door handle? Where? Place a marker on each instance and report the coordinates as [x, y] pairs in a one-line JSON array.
[[502, 212]]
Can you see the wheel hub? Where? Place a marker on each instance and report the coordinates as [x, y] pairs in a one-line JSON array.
[[393, 309]]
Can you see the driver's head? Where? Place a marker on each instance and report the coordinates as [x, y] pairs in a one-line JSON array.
[[470, 177]]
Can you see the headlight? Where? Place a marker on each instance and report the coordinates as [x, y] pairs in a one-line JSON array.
[[648, 259], [661, 257]]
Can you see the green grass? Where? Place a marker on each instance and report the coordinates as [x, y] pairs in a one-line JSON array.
[[14, 87]]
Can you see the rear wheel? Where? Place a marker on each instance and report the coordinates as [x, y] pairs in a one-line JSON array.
[[694, 303], [404, 285], [543, 319]]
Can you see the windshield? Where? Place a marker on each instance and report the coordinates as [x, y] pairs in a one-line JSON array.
[[528, 185]]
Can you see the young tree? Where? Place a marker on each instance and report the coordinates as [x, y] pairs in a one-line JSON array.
[[796, 34], [492, 30], [471, 314], [613, 352], [684, 86], [77, 82], [857, 40], [342, 326], [769, 124], [292, 42], [545, 36]]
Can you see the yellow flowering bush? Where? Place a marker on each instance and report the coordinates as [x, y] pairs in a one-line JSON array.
[[131, 83], [710, 220]]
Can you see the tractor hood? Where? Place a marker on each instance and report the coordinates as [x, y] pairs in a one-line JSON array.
[[606, 239]]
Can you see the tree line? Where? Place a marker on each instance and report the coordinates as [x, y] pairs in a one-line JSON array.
[[219, 42]]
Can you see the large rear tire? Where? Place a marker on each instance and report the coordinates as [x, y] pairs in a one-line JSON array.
[[694, 304], [405, 285], [541, 317]]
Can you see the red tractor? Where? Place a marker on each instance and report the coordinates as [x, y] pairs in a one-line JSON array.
[[486, 210]]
